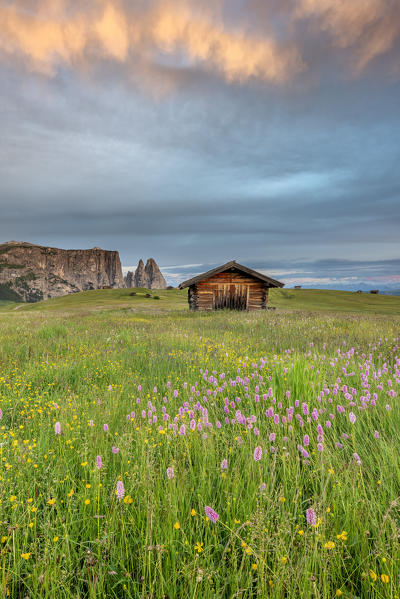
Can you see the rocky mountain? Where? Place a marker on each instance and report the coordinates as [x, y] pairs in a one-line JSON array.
[[31, 272], [149, 276], [140, 276], [154, 275]]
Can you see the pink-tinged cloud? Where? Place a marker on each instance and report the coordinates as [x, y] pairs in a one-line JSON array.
[[60, 32], [53, 34]]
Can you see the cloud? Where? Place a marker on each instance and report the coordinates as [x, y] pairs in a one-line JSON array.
[[248, 156], [322, 274], [370, 27], [112, 32], [59, 33], [159, 39], [237, 55]]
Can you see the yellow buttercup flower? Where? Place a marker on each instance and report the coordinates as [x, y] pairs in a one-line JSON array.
[[25, 555], [329, 545], [373, 575], [384, 578], [193, 512], [177, 525]]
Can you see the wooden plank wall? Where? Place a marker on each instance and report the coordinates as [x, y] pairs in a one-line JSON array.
[[201, 295]]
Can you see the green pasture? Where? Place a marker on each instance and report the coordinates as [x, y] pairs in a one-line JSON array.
[[309, 300], [109, 367]]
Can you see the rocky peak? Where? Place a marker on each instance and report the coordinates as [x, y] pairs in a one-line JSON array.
[[154, 276], [149, 276], [140, 278]]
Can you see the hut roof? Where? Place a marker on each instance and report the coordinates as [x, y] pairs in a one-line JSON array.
[[232, 265]]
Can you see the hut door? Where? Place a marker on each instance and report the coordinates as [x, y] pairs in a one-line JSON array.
[[231, 297]]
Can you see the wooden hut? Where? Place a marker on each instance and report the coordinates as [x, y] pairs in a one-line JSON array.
[[231, 286]]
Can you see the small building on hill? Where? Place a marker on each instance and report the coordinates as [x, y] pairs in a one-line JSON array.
[[230, 286]]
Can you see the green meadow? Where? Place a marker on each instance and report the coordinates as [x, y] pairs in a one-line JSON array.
[[174, 299], [124, 419]]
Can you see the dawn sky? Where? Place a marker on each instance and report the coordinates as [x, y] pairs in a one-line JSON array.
[[265, 131]]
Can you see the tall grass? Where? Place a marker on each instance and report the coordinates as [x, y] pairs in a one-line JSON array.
[[240, 381]]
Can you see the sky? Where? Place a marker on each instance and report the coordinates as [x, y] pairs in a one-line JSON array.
[[265, 131]]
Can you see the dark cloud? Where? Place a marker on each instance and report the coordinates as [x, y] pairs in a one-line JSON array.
[[161, 152], [326, 274]]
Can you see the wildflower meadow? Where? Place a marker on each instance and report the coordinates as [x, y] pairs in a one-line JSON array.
[[176, 455]]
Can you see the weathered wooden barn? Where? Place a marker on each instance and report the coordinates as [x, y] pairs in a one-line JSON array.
[[231, 286]]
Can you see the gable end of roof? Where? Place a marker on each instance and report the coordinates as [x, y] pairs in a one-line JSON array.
[[231, 265]]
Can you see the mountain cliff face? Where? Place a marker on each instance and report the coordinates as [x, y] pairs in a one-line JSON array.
[[148, 276], [32, 272]]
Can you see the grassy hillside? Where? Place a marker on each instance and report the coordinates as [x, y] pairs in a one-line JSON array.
[[108, 299], [334, 301], [283, 299], [124, 419]]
